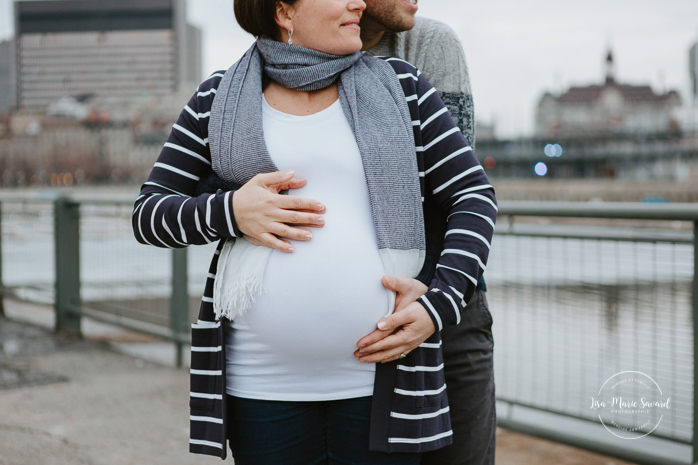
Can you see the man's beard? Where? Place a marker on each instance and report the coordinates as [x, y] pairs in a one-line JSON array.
[[385, 14]]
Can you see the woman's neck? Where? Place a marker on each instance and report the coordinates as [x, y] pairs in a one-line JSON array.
[[297, 102]]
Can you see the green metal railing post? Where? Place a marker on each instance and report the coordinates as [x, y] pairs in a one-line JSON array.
[[179, 301], [2, 285], [695, 343], [67, 246]]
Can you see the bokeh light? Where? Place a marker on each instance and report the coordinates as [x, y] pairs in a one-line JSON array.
[[553, 150], [541, 169]]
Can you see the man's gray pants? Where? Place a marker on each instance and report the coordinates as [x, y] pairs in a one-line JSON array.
[[469, 368]]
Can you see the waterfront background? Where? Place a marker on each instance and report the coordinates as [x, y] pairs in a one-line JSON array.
[[578, 107], [573, 299], [567, 312], [607, 90]]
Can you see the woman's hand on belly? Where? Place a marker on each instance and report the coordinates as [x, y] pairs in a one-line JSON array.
[[262, 214], [407, 327]]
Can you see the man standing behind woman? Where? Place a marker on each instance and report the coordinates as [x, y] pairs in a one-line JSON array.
[[390, 28]]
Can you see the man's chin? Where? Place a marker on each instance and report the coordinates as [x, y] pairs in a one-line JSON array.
[[406, 24], [392, 16], [406, 16], [398, 24]]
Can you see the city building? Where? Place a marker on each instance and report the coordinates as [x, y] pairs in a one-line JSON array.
[[7, 76], [611, 108], [485, 131], [693, 69], [122, 49]]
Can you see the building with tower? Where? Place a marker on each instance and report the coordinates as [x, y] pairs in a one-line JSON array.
[[611, 108]]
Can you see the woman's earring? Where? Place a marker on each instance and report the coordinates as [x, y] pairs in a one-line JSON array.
[[290, 37]]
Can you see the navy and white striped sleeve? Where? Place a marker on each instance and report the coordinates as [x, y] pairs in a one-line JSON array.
[[454, 178], [166, 213]]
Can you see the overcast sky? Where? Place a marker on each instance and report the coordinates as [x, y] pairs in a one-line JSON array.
[[517, 49]]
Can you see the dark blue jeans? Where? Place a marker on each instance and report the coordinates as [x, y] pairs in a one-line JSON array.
[[263, 432]]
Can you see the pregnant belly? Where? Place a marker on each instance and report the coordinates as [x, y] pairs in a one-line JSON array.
[[320, 300]]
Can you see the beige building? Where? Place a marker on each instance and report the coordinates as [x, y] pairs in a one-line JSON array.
[[121, 49], [606, 109]]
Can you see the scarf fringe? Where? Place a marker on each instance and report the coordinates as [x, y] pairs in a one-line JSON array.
[[239, 278], [237, 297]]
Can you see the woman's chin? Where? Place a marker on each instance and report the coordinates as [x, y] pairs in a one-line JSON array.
[[348, 48], [352, 49], [353, 43]]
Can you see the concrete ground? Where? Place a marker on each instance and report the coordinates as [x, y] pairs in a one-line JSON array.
[[115, 398]]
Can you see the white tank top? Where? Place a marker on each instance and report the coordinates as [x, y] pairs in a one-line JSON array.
[[297, 341]]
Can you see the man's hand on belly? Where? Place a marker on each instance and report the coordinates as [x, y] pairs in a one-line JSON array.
[[402, 331]]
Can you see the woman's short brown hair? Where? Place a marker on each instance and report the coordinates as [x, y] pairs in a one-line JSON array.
[[258, 17]]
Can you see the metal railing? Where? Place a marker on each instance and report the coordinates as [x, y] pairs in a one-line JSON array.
[[85, 262], [572, 303]]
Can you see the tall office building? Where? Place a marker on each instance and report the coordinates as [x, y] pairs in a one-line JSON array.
[[7, 75], [115, 48], [693, 65]]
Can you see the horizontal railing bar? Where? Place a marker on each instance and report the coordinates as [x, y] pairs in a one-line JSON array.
[[570, 282], [33, 287], [129, 313], [571, 439], [134, 325], [624, 236], [577, 417], [103, 202], [30, 200], [611, 210], [11, 293], [49, 201]]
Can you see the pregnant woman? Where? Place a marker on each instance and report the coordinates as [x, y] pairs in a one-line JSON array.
[[376, 152]]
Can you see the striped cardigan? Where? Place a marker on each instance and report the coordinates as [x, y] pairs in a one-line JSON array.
[[410, 404]]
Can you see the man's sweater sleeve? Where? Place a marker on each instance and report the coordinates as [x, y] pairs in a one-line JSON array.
[[446, 67], [457, 182], [167, 213]]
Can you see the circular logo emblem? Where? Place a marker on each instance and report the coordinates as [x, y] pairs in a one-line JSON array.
[[630, 405]]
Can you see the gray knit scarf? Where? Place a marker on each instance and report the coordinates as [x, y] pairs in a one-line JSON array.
[[375, 106]]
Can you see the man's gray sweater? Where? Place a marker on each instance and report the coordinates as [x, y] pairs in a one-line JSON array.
[[436, 51]]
